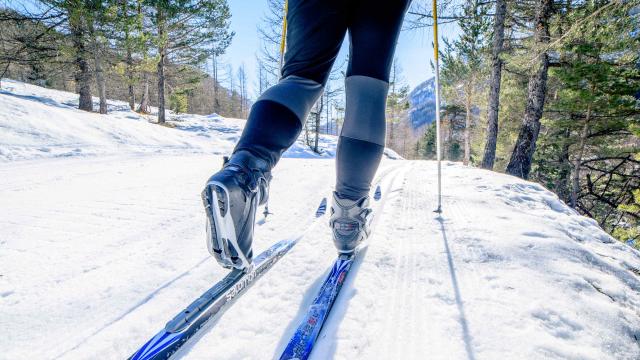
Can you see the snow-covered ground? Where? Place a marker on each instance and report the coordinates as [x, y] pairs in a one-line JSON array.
[[98, 252], [41, 123]]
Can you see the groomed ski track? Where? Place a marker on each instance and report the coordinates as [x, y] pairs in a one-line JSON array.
[[506, 272]]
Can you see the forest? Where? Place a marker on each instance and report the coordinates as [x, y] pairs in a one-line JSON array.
[[547, 91], [544, 90]]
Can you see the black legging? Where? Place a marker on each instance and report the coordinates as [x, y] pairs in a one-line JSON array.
[[316, 29]]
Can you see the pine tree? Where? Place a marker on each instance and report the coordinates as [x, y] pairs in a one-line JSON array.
[[522, 156], [462, 69], [493, 109], [593, 114], [78, 17]]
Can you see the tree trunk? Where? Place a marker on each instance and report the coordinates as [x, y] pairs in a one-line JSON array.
[[494, 88], [162, 53], [144, 101], [562, 183], [317, 129], [216, 100], [100, 81], [522, 156], [82, 73], [132, 95], [448, 128], [577, 163], [328, 109], [467, 130]]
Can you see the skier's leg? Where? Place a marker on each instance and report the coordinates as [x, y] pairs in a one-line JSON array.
[[373, 29], [316, 31]]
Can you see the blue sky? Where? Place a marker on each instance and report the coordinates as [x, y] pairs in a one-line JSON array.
[[413, 52]]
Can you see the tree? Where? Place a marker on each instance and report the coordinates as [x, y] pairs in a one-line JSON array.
[[219, 43], [428, 149], [270, 32], [30, 44], [131, 44], [397, 103], [462, 70], [185, 32], [494, 87], [591, 125], [242, 83], [522, 156], [95, 20], [78, 17]]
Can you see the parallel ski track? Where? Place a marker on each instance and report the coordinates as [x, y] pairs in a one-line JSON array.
[[424, 293], [391, 175], [403, 285], [179, 225], [291, 223]]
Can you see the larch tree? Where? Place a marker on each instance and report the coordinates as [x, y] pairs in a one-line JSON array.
[[243, 92], [184, 34], [270, 33]]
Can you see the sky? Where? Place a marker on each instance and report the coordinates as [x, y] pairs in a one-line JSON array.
[[414, 50]]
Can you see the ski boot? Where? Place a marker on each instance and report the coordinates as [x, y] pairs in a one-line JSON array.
[[350, 222], [230, 199]]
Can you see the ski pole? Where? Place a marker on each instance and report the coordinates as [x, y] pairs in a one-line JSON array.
[[283, 40], [438, 138]]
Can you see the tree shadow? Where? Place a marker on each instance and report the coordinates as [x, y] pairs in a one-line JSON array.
[[466, 335], [40, 99]]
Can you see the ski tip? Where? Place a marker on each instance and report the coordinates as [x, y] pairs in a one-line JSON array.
[[322, 209], [378, 194]]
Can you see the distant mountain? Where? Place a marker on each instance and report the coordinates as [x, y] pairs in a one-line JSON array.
[[422, 104]]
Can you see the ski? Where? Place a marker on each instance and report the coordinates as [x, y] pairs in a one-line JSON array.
[[301, 343], [215, 301]]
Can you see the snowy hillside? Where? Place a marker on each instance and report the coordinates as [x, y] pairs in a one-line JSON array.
[[98, 252], [36, 122]]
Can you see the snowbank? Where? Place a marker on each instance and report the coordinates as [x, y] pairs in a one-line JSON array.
[[41, 123]]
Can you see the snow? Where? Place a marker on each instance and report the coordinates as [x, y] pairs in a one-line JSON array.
[[41, 123], [100, 247]]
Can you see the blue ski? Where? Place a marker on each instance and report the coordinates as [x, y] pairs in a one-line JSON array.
[[302, 342], [215, 301]]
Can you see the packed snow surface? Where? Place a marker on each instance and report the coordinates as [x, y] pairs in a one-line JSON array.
[[98, 252]]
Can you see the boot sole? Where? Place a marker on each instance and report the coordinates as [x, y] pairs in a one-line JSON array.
[[213, 241], [225, 232]]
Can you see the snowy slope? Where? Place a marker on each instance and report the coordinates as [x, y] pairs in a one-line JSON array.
[[36, 122], [98, 252]]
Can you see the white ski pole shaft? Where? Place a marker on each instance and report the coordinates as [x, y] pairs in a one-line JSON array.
[[438, 137]]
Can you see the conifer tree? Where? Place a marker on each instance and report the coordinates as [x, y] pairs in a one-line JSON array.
[[185, 31]]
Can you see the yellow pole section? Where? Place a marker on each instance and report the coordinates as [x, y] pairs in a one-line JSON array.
[[435, 30], [283, 40], [438, 138]]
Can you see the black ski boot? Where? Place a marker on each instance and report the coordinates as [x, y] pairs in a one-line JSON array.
[[230, 199]]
